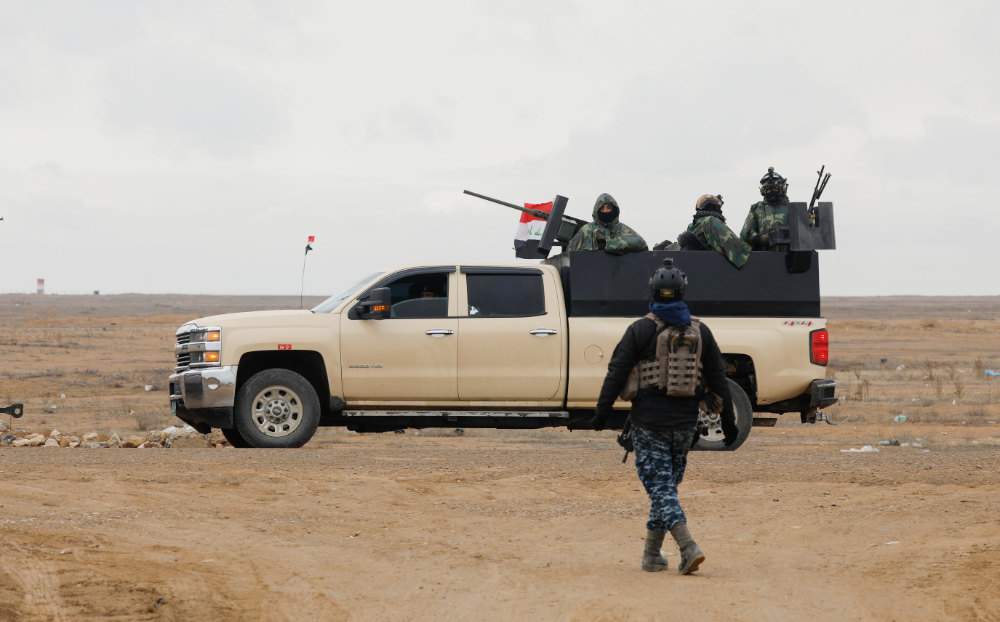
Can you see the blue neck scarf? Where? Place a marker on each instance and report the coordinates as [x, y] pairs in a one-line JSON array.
[[675, 313]]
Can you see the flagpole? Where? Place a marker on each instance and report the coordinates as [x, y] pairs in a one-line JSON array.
[[302, 288], [309, 247]]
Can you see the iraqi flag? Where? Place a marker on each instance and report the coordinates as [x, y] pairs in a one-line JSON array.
[[529, 231], [309, 243]]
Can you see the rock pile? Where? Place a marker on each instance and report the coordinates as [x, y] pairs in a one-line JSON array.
[[173, 436]]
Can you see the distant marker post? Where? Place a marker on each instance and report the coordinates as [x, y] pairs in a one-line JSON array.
[[309, 243]]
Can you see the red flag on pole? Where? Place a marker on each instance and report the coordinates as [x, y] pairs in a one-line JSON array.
[[530, 229]]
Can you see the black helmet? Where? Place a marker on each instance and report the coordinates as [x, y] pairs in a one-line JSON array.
[[773, 185], [668, 283]]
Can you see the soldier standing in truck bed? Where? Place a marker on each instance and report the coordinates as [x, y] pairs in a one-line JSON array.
[[708, 231], [606, 233], [766, 226]]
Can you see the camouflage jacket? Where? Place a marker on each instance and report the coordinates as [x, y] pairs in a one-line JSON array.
[[713, 233], [616, 237], [766, 218]]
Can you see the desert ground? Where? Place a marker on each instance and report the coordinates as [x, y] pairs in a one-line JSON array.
[[799, 523]]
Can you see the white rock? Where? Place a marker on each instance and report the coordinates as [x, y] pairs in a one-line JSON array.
[[51, 443]]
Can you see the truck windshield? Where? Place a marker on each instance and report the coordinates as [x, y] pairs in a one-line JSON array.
[[333, 302]]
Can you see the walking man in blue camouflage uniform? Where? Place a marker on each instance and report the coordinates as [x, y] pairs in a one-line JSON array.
[[664, 420]]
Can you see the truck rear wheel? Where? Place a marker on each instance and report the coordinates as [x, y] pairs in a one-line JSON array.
[[276, 408], [711, 425]]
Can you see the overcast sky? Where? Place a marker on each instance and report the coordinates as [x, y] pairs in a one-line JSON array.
[[191, 147]]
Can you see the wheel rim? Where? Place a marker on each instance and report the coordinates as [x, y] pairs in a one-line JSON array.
[[711, 426], [277, 411]]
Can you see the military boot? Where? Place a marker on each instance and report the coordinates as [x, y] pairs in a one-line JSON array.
[[691, 555], [652, 561]]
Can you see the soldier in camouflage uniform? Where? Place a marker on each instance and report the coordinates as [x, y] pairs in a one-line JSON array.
[[766, 226], [606, 233], [709, 228], [664, 426]]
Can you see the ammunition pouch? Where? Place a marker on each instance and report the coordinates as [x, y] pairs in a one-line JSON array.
[[677, 366]]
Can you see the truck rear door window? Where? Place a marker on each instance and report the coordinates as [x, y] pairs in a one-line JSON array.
[[505, 295]]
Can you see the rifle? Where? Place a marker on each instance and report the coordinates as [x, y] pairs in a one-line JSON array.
[[625, 438], [820, 185]]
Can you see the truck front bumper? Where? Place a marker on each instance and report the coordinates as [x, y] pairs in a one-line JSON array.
[[204, 398]]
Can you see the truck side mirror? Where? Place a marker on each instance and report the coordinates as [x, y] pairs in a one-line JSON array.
[[377, 305]]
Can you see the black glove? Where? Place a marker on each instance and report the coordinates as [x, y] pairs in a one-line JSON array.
[[598, 421]]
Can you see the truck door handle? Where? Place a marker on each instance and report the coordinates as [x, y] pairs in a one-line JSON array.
[[439, 332], [543, 332]]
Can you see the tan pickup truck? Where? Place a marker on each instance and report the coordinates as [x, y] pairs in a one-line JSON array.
[[498, 346]]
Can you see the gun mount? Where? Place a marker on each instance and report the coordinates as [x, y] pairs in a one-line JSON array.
[[559, 228]]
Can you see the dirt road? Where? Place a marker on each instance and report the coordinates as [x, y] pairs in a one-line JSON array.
[[531, 525]]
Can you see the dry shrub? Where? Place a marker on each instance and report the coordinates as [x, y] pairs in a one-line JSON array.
[[929, 365], [146, 419], [863, 390]]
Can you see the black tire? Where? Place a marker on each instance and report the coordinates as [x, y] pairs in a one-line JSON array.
[[234, 438], [276, 408], [711, 425]]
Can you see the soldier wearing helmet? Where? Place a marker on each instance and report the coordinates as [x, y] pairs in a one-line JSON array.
[[664, 419], [766, 226], [606, 233], [708, 231]]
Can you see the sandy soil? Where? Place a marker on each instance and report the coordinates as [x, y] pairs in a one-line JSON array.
[[497, 525]]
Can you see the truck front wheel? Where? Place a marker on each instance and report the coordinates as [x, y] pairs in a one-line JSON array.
[[711, 425], [276, 408], [235, 438]]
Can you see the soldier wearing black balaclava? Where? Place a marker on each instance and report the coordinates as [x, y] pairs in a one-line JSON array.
[[606, 233]]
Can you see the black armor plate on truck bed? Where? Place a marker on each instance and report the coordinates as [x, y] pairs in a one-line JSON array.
[[769, 285]]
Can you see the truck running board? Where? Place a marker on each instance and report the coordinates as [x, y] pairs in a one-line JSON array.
[[454, 414]]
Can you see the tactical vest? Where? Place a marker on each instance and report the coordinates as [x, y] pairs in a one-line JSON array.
[[677, 366]]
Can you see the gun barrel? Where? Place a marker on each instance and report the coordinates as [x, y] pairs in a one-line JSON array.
[[537, 213], [820, 186]]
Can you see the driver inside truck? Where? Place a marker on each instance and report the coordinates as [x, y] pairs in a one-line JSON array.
[[422, 290]]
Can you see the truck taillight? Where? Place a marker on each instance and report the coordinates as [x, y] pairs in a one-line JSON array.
[[819, 347]]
